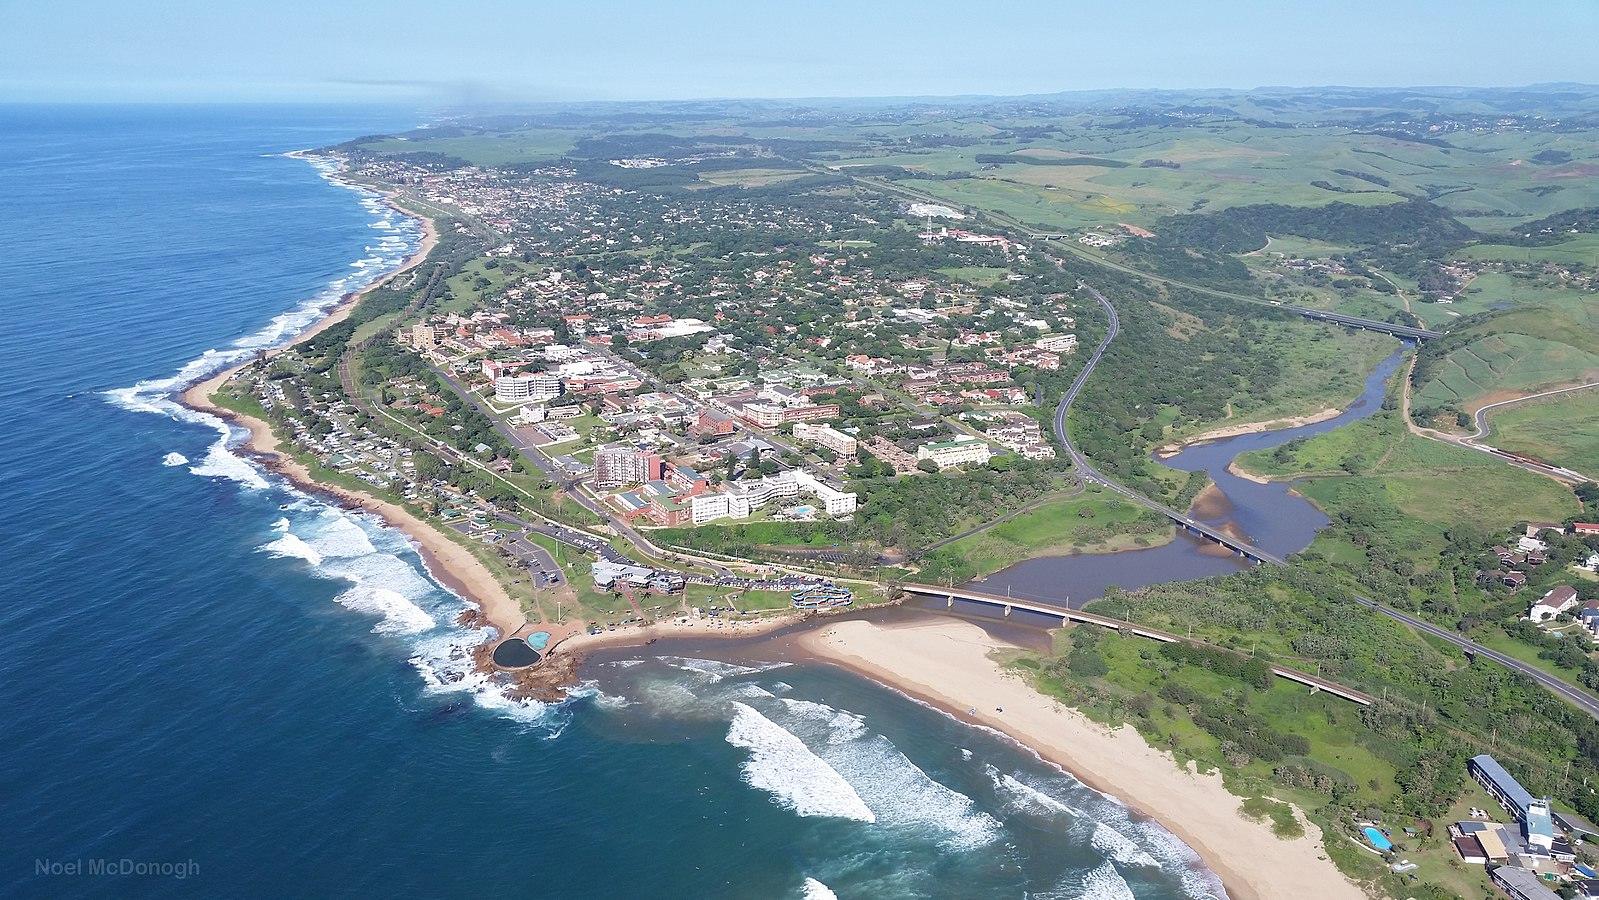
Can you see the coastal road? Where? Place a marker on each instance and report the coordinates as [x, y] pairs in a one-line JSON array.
[[1482, 413], [1583, 700]]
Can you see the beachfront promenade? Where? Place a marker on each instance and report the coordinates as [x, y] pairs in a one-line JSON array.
[[1068, 616]]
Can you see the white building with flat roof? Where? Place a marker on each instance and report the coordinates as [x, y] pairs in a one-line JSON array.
[[825, 436], [531, 387], [961, 451], [743, 497]]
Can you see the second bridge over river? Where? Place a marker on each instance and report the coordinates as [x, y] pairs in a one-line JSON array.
[[1067, 616]]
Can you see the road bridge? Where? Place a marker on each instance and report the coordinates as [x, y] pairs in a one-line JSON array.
[[1406, 332], [1087, 471], [1068, 615]]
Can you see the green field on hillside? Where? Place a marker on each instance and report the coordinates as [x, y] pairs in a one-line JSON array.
[[1563, 430]]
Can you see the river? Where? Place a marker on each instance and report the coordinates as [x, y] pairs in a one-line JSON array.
[[1272, 516]]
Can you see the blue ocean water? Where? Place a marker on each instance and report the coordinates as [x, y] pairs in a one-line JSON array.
[[230, 688]]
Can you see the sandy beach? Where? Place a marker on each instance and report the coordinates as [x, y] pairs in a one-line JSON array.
[[946, 663], [446, 560], [1227, 431]]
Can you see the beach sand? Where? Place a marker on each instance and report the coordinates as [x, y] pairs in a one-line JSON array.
[[448, 562], [946, 663], [681, 627]]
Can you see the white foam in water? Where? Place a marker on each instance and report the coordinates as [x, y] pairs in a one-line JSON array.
[[1105, 883], [1026, 798], [715, 669], [399, 614], [291, 546], [174, 459], [281, 524], [898, 791], [815, 890], [784, 767], [341, 536], [1119, 847]]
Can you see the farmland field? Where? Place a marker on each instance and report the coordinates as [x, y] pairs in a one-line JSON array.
[[1563, 430]]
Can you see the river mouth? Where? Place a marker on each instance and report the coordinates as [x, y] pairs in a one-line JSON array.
[[1271, 515]]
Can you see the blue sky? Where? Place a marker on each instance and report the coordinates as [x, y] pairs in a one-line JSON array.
[[450, 51]]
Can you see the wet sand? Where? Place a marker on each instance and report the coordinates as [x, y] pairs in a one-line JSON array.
[[948, 664]]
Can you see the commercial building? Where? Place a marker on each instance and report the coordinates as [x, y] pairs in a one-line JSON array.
[[961, 451], [825, 436], [533, 387], [770, 415], [424, 337]]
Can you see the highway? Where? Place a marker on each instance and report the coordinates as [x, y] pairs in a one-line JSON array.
[[1588, 703], [1064, 242], [1089, 473], [1581, 699]]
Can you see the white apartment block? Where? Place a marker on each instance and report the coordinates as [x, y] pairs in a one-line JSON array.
[[961, 451], [741, 498], [825, 436], [1057, 343], [532, 387]]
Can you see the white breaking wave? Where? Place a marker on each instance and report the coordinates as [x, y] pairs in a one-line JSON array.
[[715, 669], [341, 536], [399, 614], [291, 546], [1119, 847], [174, 459], [1025, 798], [897, 791], [784, 767], [1105, 883], [815, 890]]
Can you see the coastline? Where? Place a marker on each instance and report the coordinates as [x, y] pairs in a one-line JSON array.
[[1227, 431], [448, 562], [947, 664]]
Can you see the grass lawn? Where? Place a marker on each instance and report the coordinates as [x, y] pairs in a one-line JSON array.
[[743, 600], [1503, 361], [1563, 430], [1092, 522]]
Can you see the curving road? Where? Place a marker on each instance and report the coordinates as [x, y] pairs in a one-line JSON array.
[[1482, 412], [1588, 703], [1581, 699], [1089, 473]]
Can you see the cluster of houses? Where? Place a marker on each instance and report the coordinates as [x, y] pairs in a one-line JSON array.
[[1530, 853]]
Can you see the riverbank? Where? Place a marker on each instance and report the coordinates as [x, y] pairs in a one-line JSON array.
[[447, 561], [1229, 431], [948, 664]]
